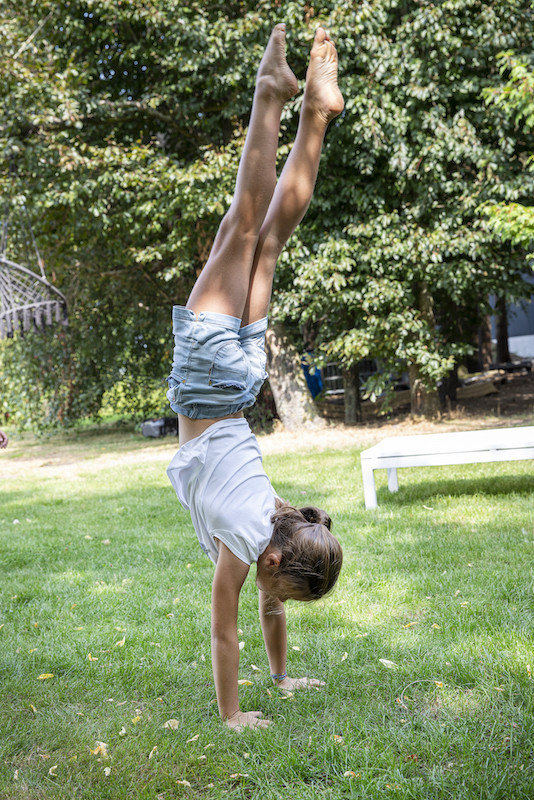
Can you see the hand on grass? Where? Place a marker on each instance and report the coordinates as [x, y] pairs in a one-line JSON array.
[[247, 719], [299, 683]]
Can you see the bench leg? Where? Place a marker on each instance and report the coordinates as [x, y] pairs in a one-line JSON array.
[[369, 490], [393, 481]]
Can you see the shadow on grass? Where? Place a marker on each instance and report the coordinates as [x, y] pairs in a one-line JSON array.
[[495, 486]]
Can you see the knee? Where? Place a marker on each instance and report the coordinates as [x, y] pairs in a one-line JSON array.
[[240, 224]]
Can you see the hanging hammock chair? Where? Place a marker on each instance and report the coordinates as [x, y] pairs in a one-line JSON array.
[[27, 299]]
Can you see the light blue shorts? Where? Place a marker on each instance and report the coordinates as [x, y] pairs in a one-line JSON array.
[[218, 367]]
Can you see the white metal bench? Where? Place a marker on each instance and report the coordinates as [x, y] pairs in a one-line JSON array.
[[430, 450]]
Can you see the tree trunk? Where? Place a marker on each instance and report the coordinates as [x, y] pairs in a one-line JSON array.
[[484, 344], [424, 400], [351, 393], [294, 403], [503, 352]]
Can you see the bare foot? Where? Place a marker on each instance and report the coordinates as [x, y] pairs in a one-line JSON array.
[[322, 93], [275, 77]]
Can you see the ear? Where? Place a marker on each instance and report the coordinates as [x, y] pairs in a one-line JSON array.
[[272, 560]]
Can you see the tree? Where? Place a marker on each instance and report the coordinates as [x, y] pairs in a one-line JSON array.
[[124, 122], [410, 263], [123, 128]]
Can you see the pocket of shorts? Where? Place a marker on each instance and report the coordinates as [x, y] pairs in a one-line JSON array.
[[229, 369]]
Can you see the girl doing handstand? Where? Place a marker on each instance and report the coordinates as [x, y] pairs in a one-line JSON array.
[[219, 367]]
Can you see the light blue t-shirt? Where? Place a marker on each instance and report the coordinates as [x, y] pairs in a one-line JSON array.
[[219, 478]]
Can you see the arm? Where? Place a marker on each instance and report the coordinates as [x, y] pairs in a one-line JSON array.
[[273, 626], [3, 440], [230, 574]]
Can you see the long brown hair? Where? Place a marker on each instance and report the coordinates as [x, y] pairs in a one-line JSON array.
[[311, 557]]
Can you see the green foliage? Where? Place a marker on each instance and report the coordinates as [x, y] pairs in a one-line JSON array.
[[514, 222], [122, 128], [400, 263]]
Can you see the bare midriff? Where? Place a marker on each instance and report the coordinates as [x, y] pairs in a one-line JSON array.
[[191, 428]]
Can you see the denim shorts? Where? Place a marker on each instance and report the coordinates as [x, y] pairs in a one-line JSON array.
[[218, 367]]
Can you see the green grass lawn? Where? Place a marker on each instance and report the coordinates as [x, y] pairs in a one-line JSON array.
[[104, 588]]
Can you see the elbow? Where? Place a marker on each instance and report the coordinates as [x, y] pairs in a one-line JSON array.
[[223, 638]]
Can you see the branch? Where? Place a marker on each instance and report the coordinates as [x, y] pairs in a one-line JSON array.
[[32, 36]]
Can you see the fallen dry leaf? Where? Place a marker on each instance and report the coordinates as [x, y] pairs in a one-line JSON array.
[[153, 752], [107, 771], [193, 738], [45, 676], [388, 664], [183, 783], [344, 656], [244, 682], [53, 770], [172, 724], [101, 749], [91, 658], [121, 642]]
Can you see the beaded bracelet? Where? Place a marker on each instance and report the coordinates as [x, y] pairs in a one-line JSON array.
[[278, 676]]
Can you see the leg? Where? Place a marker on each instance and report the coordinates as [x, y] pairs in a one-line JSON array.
[[322, 102], [369, 488], [223, 283], [393, 480]]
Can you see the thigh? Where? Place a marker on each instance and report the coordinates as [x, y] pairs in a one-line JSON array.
[[222, 286]]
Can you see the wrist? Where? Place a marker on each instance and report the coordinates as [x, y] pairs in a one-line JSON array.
[[230, 716]]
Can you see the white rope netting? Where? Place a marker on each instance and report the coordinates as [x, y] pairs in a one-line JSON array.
[[27, 300]]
